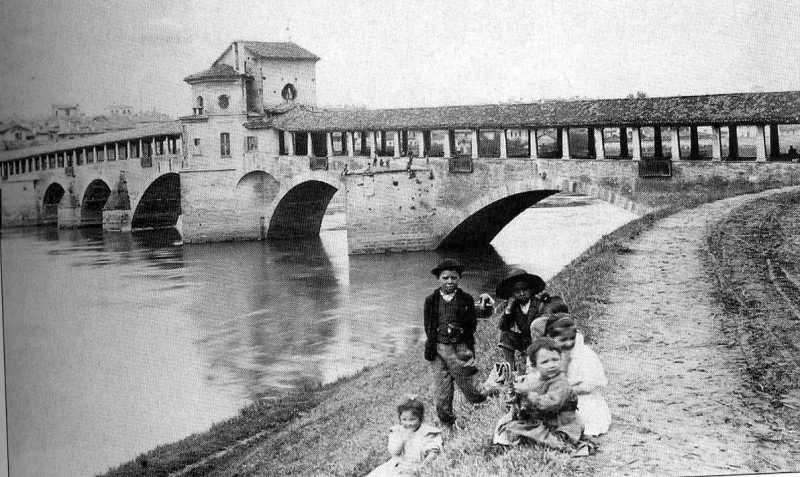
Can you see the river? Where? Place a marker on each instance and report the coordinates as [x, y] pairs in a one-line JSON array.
[[115, 343]]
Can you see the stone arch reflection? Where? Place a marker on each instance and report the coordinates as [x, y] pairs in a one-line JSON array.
[[267, 312]]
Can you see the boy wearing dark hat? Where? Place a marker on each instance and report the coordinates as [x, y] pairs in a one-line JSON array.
[[450, 324], [519, 288]]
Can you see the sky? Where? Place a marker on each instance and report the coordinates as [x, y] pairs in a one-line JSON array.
[[397, 53]]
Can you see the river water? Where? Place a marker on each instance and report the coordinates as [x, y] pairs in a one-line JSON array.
[[115, 343]]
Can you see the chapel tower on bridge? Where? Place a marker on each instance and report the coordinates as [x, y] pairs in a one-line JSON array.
[[248, 82]]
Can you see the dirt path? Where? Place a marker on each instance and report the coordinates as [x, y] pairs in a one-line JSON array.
[[674, 382]]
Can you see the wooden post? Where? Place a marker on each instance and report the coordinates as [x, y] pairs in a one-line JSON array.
[[657, 146], [309, 145], [564, 136], [448, 141], [475, 133], [733, 142], [503, 144], [694, 143], [288, 139], [623, 142], [774, 141]]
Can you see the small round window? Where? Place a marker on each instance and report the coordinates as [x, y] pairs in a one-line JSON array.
[[223, 101], [289, 92]]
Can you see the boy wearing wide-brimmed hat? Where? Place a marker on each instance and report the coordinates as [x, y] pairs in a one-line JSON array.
[[519, 288], [450, 323]]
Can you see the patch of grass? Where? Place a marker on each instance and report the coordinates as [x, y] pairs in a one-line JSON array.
[[758, 320]]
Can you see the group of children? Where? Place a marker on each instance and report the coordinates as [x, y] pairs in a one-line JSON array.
[[554, 401]]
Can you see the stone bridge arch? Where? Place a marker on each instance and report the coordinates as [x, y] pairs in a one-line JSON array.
[[301, 204], [53, 195], [480, 221], [93, 200], [160, 203]]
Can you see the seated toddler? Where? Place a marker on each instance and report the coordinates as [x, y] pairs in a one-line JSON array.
[[546, 405], [412, 443]]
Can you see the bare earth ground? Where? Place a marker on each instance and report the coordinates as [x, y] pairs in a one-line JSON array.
[[675, 384]]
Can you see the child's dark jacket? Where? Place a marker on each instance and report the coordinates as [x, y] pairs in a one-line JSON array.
[[465, 317]]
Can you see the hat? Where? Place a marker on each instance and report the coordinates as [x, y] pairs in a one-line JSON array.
[[561, 324], [550, 305], [447, 265], [533, 282]]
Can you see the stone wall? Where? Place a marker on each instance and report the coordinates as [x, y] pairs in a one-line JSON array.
[[276, 73], [18, 203], [392, 210]]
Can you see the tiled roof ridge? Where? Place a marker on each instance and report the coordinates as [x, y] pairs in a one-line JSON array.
[[299, 53], [316, 109]]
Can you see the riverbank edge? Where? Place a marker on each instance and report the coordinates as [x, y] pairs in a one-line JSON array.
[[582, 283], [757, 320]]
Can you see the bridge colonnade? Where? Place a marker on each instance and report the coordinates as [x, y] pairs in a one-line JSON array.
[[693, 142]]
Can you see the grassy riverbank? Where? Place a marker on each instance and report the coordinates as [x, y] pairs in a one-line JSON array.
[[759, 319], [340, 429]]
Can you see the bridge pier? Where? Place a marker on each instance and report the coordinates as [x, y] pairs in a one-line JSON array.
[[117, 220], [69, 216]]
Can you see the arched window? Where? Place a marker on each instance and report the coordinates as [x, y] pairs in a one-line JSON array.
[[198, 106]]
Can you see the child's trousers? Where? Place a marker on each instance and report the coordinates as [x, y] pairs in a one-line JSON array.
[[449, 369]]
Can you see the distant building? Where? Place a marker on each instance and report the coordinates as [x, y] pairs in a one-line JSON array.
[[15, 135], [65, 110], [120, 110], [16, 132]]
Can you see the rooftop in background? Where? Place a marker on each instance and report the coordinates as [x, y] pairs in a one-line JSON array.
[[278, 50], [162, 129], [718, 109]]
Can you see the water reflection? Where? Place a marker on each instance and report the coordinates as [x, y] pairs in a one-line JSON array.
[[265, 311]]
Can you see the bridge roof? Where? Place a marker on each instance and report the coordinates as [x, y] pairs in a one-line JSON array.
[[717, 109], [161, 129]]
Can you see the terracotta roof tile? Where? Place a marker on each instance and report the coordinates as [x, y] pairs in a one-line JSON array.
[[735, 108], [279, 50], [219, 71]]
